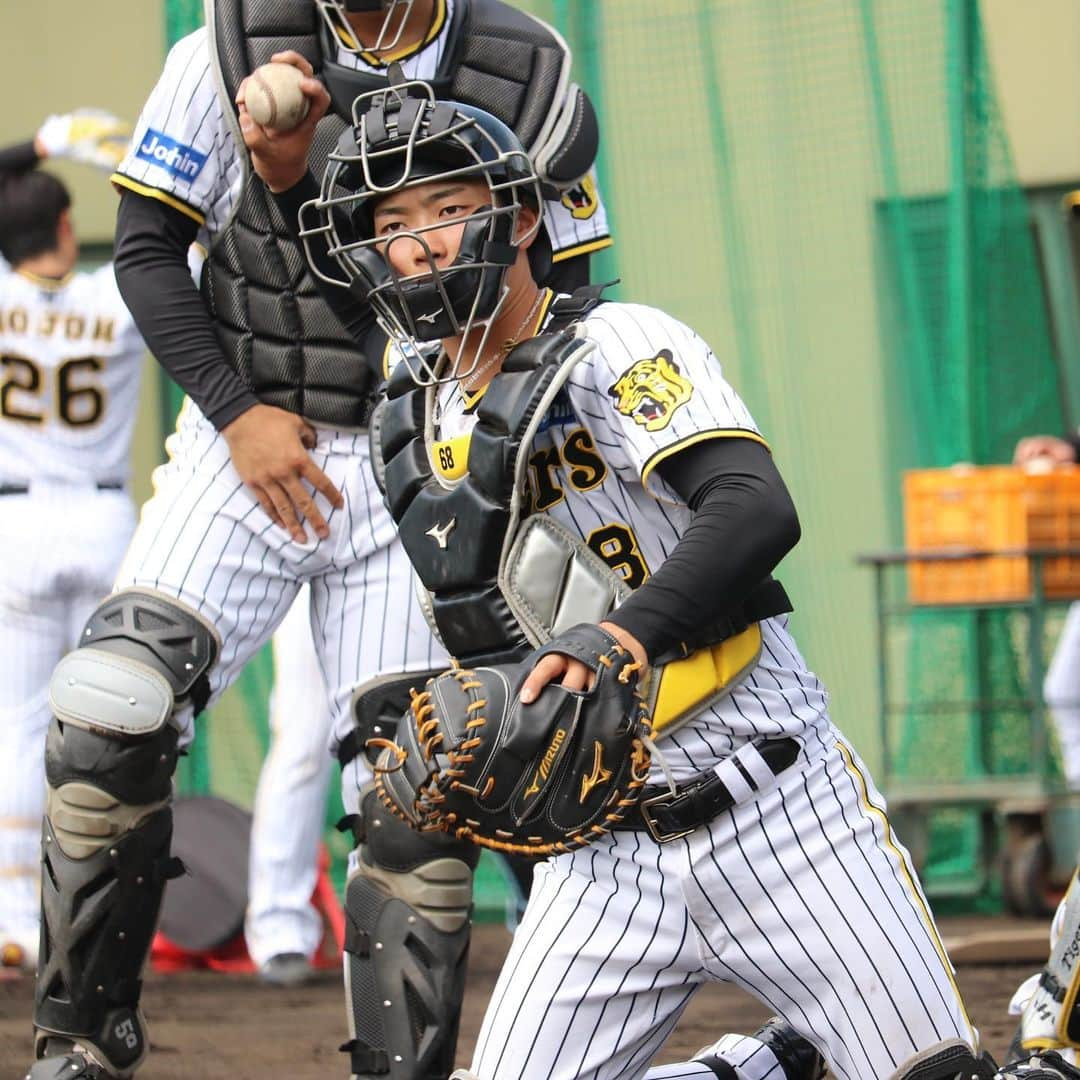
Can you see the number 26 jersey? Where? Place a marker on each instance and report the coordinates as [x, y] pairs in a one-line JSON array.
[[70, 361]]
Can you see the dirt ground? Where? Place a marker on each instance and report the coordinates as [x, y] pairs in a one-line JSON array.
[[213, 1027]]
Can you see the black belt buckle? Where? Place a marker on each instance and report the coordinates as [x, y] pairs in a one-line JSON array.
[[665, 798]]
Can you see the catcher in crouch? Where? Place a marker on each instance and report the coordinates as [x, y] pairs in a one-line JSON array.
[[593, 516]]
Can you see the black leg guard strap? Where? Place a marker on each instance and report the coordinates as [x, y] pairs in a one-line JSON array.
[[407, 909], [105, 861]]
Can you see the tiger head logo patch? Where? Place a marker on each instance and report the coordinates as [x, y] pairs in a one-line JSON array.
[[651, 390], [581, 200]]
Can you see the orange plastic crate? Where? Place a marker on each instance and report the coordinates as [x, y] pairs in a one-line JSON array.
[[990, 508]]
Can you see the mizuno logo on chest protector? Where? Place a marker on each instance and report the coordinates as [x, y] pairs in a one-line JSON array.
[[440, 533]]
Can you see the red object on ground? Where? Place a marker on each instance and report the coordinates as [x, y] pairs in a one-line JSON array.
[[232, 957]]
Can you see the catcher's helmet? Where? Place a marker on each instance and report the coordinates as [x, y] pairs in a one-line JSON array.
[[402, 137], [335, 13]]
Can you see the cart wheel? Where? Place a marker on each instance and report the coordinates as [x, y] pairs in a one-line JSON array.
[[1025, 876]]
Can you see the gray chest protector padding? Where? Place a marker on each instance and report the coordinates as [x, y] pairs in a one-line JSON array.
[[275, 330]]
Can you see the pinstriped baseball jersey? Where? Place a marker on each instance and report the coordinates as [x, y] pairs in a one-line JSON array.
[[69, 387], [185, 154], [650, 387], [799, 892]]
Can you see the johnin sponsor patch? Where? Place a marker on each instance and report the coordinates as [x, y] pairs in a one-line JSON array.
[[176, 158]]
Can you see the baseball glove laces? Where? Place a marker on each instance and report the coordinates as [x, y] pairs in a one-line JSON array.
[[472, 760]]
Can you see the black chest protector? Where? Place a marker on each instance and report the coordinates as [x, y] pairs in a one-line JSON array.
[[500, 584], [458, 536], [275, 330]]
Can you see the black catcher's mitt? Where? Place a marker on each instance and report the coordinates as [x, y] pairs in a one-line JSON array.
[[535, 779]]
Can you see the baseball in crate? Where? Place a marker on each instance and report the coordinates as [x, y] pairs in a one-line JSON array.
[[584, 496]]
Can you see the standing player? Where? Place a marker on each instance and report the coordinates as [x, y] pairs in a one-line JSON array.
[[268, 487], [70, 360], [765, 857], [282, 927]]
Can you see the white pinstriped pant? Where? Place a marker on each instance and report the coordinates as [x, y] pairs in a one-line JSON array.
[[290, 800], [803, 897], [61, 545], [204, 539]]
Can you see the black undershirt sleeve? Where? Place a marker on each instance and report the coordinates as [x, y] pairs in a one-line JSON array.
[[18, 158], [1074, 441], [152, 241], [743, 524]]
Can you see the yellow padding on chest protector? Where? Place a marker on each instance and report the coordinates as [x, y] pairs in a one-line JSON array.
[[450, 457], [687, 686]]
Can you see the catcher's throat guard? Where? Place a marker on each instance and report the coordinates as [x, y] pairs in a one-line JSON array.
[[471, 760]]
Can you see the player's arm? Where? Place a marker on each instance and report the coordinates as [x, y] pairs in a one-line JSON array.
[[151, 263], [89, 136], [744, 522]]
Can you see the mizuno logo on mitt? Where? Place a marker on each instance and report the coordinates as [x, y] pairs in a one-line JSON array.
[[550, 754]]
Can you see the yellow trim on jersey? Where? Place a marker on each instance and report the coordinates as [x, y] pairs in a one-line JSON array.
[[450, 457], [386, 357], [472, 398], [586, 248], [667, 451], [120, 180], [348, 39], [687, 685], [1071, 201], [909, 876], [50, 284]]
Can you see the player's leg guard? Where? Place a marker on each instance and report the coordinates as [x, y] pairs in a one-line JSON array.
[[109, 761], [407, 908], [952, 1059], [797, 1058], [1051, 1018]]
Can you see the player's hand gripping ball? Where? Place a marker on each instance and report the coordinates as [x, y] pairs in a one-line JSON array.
[[471, 760], [273, 96]]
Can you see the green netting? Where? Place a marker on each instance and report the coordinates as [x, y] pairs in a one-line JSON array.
[[824, 190]]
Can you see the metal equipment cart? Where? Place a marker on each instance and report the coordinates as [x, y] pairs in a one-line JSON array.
[[1029, 820]]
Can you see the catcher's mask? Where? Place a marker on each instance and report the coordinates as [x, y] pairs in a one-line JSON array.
[[401, 138], [336, 13]]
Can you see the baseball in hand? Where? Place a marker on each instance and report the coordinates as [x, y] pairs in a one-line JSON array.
[[273, 96]]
